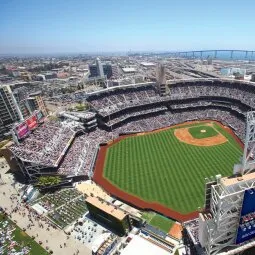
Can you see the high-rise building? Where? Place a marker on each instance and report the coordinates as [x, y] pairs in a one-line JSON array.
[[99, 68], [93, 71], [35, 102], [20, 95], [115, 71], [16, 105], [107, 70], [9, 110], [253, 77]]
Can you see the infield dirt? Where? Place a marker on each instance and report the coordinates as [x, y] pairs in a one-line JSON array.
[[183, 135]]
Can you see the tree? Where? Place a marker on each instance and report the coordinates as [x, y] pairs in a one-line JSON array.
[[81, 106], [48, 181]]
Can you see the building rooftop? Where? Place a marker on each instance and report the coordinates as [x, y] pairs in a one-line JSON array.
[[129, 70], [106, 207], [36, 93], [147, 64], [226, 181], [139, 245]]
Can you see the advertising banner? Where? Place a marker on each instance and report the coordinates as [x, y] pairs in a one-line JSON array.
[[22, 130], [246, 229], [31, 122]]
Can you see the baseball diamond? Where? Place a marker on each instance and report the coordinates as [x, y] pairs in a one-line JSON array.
[[155, 170]]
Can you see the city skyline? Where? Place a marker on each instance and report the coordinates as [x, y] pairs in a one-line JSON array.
[[50, 27]]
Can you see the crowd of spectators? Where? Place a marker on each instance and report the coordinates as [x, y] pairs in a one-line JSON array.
[[151, 123], [70, 212], [167, 119], [113, 101], [9, 243], [136, 113], [80, 157], [193, 104], [51, 201], [74, 159], [95, 138], [63, 206], [45, 145], [192, 229], [240, 92], [51, 140], [108, 102]]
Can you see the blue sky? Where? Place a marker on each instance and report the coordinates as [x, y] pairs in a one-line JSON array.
[[44, 26]]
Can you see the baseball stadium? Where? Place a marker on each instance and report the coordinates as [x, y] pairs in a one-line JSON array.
[[162, 148], [151, 145]]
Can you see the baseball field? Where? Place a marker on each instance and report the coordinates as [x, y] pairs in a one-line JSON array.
[[165, 170]]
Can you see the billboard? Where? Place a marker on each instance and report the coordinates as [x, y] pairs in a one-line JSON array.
[[21, 130], [31, 122], [246, 229]]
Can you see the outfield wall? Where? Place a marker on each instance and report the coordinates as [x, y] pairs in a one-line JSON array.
[[134, 200]]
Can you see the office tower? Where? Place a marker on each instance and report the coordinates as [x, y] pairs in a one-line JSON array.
[[9, 109], [35, 102], [100, 70], [95, 70]]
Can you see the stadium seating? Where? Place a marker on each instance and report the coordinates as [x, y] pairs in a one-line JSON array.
[[45, 145], [135, 109]]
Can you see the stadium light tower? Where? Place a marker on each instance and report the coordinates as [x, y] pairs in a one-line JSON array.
[[248, 163]]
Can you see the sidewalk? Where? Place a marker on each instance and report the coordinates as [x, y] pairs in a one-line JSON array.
[[34, 225]]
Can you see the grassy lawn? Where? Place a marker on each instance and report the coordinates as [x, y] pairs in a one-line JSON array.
[[158, 221], [22, 239], [161, 223], [157, 167], [148, 216], [196, 132]]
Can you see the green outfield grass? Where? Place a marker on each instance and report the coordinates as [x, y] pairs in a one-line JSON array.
[[196, 131], [162, 223], [158, 221], [157, 167]]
